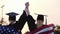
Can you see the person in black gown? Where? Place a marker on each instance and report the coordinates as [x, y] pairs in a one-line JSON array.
[[40, 20], [18, 25]]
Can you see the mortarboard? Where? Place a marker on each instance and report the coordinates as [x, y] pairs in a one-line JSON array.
[[12, 16], [40, 16]]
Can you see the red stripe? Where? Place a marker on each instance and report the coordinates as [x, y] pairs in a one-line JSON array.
[[38, 29], [44, 32], [44, 26]]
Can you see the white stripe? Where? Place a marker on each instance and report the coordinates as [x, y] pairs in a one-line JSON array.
[[52, 33], [44, 30]]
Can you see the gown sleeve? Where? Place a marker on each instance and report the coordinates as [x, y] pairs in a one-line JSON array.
[[20, 23], [31, 23], [22, 20]]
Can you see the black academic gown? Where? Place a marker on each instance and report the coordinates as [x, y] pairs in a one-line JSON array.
[[31, 23], [23, 18]]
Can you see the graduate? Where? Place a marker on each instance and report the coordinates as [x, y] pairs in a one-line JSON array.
[[41, 28], [11, 28], [18, 25], [38, 28]]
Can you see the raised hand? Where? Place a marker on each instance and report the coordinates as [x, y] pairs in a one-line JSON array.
[[27, 4], [27, 8]]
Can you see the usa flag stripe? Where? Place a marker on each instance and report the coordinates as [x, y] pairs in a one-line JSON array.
[[44, 30], [51, 33]]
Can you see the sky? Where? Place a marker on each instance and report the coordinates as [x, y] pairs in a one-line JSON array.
[[46, 7]]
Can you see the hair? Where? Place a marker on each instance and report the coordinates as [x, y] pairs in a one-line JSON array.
[[12, 18]]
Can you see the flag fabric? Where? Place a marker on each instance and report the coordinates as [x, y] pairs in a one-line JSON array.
[[7, 30], [45, 29]]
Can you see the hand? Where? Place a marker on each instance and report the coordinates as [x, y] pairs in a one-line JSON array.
[[27, 4], [27, 8]]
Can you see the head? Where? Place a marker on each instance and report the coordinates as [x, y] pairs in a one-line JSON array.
[[12, 16], [12, 19], [40, 20]]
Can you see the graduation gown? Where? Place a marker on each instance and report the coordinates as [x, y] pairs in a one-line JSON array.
[[33, 27], [22, 20], [31, 23], [45, 29]]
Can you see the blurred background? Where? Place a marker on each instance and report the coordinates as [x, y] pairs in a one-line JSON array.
[[46, 7]]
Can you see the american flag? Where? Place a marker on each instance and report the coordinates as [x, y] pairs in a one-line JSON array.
[[7, 30], [45, 29]]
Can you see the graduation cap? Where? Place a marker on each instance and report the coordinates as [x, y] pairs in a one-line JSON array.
[[12, 16], [41, 17]]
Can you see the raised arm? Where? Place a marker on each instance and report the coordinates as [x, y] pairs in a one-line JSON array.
[[30, 20], [22, 20]]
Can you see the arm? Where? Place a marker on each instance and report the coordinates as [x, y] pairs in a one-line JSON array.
[[22, 20], [31, 23], [20, 23], [30, 20]]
